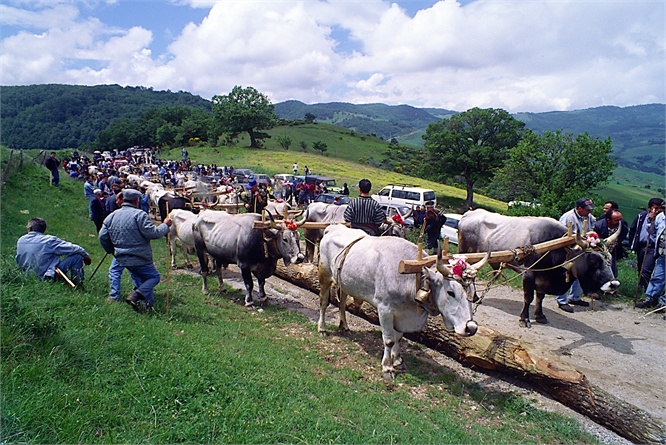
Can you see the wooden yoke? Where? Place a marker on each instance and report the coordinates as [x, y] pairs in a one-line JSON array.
[[305, 225], [503, 256]]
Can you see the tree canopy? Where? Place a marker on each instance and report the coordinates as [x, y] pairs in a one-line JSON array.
[[555, 169], [472, 144], [245, 110]]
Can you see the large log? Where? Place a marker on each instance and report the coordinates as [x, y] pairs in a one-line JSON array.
[[491, 350]]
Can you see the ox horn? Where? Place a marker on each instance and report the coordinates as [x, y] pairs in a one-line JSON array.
[[441, 268], [581, 242], [302, 221], [611, 241], [479, 264]]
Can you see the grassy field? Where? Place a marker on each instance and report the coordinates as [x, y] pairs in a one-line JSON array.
[[202, 369]]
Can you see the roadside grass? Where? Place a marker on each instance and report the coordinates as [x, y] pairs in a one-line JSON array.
[[203, 369]]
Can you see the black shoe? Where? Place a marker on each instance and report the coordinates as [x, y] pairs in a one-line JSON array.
[[566, 308], [579, 303], [645, 304], [133, 300]]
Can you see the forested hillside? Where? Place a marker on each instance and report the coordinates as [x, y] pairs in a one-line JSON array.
[[66, 116]]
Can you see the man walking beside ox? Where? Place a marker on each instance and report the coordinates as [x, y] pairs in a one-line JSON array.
[[126, 234]]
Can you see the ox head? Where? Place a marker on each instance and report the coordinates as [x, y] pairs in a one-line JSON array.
[[591, 263], [283, 237], [454, 293]]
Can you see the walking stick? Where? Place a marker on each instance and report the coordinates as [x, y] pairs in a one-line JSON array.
[[97, 268], [640, 272], [168, 266], [64, 277]]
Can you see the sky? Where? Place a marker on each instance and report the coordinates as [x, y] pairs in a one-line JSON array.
[[518, 55]]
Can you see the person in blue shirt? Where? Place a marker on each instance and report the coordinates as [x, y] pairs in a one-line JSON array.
[[41, 254]]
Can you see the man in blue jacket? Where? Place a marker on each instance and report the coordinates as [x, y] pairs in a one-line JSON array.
[[126, 234], [43, 254]]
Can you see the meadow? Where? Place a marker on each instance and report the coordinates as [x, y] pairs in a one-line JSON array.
[[203, 369]]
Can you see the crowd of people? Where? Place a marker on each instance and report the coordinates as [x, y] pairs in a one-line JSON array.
[[119, 209]]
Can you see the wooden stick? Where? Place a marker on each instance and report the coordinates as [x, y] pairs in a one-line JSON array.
[[168, 265], [64, 277], [503, 256]]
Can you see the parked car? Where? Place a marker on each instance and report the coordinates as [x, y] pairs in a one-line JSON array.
[[405, 195], [284, 177], [402, 210], [243, 174], [329, 197], [450, 227], [262, 179]]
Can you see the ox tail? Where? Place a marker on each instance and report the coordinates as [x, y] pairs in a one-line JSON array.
[[200, 247]]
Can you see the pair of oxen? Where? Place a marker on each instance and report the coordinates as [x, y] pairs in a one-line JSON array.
[[366, 268]]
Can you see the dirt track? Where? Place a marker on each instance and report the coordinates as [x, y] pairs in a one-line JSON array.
[[612, 344]]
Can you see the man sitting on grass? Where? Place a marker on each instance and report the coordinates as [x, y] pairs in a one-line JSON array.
[[41, 254]]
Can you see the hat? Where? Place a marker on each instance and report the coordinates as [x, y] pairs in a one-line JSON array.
[[252, 182], [131, 195], [96, 191], [585, 203]]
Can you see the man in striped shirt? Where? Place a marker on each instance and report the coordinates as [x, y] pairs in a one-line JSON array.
[[364, 212]]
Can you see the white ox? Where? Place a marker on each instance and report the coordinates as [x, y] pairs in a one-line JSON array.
[[319, 212], [366, 268], [182, 229], [275, 207]]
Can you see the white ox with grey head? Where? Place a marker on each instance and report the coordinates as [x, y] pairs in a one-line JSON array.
[[483, 231], [182, 230], [366, 268], [232, 239]]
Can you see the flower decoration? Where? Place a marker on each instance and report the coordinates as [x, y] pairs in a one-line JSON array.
[[398, 219], [593, 239], [291, 225], [461, 269]]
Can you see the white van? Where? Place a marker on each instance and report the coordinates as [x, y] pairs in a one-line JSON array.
[[406, 195]]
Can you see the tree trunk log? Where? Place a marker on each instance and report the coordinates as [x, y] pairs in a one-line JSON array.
[[491, 350]]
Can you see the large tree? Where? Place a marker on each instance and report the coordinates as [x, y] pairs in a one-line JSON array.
[[245, 110], [555, 168], [472, 144]]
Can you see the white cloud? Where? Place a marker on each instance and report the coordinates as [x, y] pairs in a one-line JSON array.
[[518, 55]]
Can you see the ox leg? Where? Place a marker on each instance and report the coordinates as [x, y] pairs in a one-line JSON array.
[[342, 306], [220, 279], [528, 297], [203, 264], [187, 258], [538, 309], [261, 283], [172, 250], [324, 299], [390, 338], [249, 285]]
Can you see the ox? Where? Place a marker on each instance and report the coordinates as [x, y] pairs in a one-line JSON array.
[[332, 213], [481, 231], [366, 268], [231, 239], [277, 208], [182, 229]]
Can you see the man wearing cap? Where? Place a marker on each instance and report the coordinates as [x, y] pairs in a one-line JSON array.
[[642, 239], [43, 254], [126, 234], [255, 199], [97, 210], [364, 212], [577, 217]]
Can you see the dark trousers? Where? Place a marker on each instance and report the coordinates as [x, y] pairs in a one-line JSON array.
[[55, 174], [645, 265]]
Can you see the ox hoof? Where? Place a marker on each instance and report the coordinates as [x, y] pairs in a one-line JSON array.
[[189, 266], [388, 375], [249, 304], [542, 319], [174, 267], [400, 367], [525, 324]]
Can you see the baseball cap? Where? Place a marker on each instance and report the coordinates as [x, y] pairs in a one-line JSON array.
[[96, 191], [585, 203], [252, 182]]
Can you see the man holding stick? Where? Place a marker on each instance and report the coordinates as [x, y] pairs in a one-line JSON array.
[[126, 234], [43, 254]]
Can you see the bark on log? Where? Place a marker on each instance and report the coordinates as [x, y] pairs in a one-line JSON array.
[[491, 350]]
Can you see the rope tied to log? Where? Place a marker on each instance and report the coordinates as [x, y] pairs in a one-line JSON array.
[[344, 252]]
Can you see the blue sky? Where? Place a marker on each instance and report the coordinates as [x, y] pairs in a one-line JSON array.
[[520, 55]]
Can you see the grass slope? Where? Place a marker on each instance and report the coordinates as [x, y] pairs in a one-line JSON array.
[[202, 369]]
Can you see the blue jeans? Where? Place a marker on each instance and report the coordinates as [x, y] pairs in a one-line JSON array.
[[75, 264], [115, 276], [55, 174], [145, 279], [655, 289], [574, 293]]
